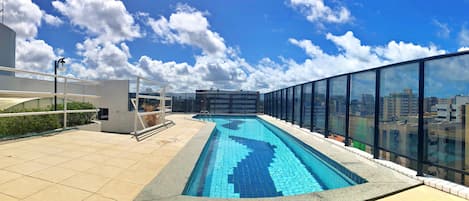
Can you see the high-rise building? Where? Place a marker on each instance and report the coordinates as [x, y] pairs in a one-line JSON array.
[[221, 101], [397, 105]]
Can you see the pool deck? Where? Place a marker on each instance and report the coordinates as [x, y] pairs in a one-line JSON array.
[[81, 165], [91, 166], [382, 181]]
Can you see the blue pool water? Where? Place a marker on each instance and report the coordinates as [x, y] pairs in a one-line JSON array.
[[247, 157]]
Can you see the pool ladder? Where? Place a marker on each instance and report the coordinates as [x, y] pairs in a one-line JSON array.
[[206, 113]]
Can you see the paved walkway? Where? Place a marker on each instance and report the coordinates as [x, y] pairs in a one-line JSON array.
[[91, 166]]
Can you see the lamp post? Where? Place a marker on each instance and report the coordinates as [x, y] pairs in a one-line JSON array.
[[56, 66]]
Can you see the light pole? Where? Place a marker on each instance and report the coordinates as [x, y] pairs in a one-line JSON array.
[[56, 65]]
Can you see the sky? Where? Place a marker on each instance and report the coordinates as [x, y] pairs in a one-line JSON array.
[[250, 45]]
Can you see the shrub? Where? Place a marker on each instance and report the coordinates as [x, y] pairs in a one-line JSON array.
[[11, 126]]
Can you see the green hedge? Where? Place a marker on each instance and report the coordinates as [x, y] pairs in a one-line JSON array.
[[11, 126]]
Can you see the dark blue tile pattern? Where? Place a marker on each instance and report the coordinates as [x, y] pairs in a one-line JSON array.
[[233, 124], [251, 177]]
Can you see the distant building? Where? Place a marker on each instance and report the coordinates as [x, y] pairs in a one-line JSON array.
[[453, 111], [397, 105], [221, 101], [7, 48]]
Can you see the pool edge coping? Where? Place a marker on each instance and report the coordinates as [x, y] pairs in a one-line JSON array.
[[171, 181]]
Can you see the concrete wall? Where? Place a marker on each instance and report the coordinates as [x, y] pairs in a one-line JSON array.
[[114, 96], [27, 84], [7, 48]]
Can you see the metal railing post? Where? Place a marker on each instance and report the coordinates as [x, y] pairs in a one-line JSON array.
[[163, 103], [347, 113], [420, 133], [377, 106], [137, 91], [311, 127], [65, 103], [301, 105], [326, 121]]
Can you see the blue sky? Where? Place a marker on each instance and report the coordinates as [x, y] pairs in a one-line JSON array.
[[252, 45]]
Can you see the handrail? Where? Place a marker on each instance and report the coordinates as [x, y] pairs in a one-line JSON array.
[[9, 69], [22, 114], [64, 94]]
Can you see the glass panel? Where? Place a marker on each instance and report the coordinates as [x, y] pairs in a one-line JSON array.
[[446, 108], [319, 113], [297, 112], [337, 98], [398, 122], [290, 104], [307, 89], [362, 107], [284, 104]]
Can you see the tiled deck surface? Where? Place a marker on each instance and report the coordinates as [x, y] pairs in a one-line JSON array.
[[94, 166], [424, 193], [82, 165]]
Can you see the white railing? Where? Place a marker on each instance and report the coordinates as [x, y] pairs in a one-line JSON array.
[[162, 108], [64, 94]]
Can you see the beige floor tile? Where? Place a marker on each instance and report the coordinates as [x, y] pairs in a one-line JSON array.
[[27, 167], [95, 158], [4, 197], [9, 161], [72, 154], [148, 166], [49, 150], [105, 170], [423, 193], [59, 193], [78, 165], [132, 156], [54, 174], [85, 181], [23, 187], [110, 152], [52, 160], [97, 197], [6, 176], [27, 155], [120, 190], [120, 162], [142, 177]]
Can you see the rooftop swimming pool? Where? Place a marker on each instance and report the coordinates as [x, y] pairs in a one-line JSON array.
[[247, 157]]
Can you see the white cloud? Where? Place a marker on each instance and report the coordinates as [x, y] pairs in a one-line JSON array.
[[352, 56], [107, 20], [52, 20], [188, 26], [317, 11], [35, 55], [463, 49], [25, 17], [443, 29]]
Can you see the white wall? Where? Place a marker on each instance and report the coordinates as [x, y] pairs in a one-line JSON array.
[[115, 96]]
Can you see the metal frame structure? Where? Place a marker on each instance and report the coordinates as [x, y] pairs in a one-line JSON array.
[[163, 109], [64, 95], [421, 155]]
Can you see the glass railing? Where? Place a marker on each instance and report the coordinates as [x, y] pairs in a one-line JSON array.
[[414, 113]]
